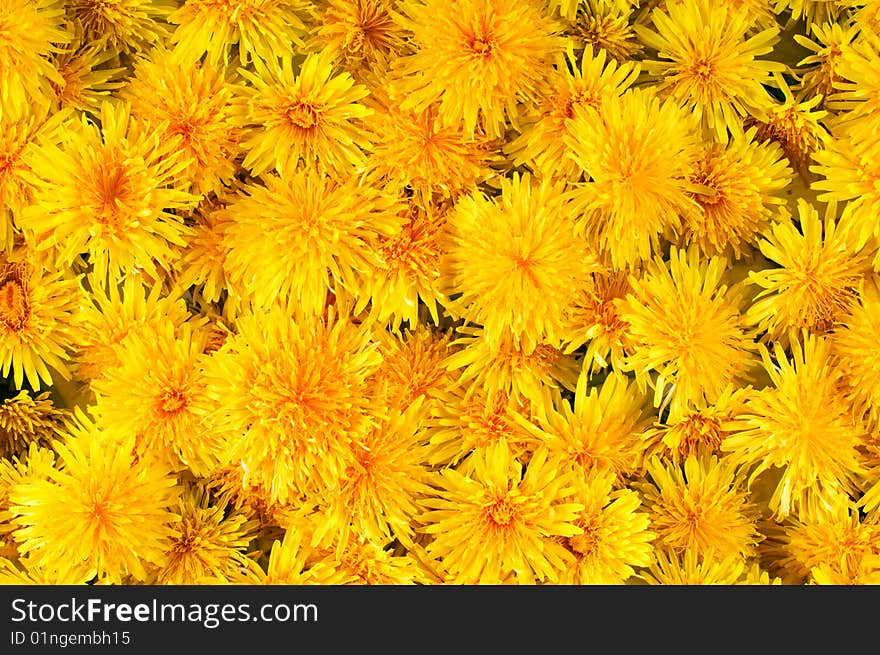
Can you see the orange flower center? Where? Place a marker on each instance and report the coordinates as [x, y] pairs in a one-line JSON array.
[[13, 305], [173, 401], [501, 512], [302, 115]]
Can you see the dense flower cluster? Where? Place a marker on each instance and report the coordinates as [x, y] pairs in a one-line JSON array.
[[439, 292]]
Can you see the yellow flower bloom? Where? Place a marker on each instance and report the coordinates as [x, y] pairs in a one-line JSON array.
[[203, 261], [292, 562], [616, 536], [699, 429], [288, 394], [701, 507], [261, 29], [670, 568], [741, 184], [516, 261], [599, 433], [468, 419], [310, 114], [708, 64], [207, 546], [856, 346], [416, 150], [27, 419], [160, 407], [593, 320], [687, 328], [108, 314], [574, 84], [317, 233], [193, 103], [605, 26], [795, 124], [405, 279], [383, 474], [100, 507], [835, 540], [122, 24], [509, 368], [823, 74], [109, 192], [37, 322], [477, 58], [817, 280], [637, 157], [363, 33], [801, 425], [413, 368], [500, 520], [32, 32], [89, 75]]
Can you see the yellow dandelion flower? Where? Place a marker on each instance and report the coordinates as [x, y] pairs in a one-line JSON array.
[[26, 419], [810, 11], [836, 539], [159, 406], [376, 493], [795, 124], [858, 68], [701, 506], [508, 367], [89, 74], [477, 58], [501, 520], [26, 572], [125, 25], [687, 327], [573, 84], [100, 507], [37, 322], [413, 367], [109, 192], [415, 150], [516, 261], [856, 346], [292, 561], [108, 314], [670, 568], [867, 574], [616, 536], [741, 185], [260, 29], [849, 167], [817, 279], [33, 463], [195, 104], [606, 26], [20, 131], [313, 229], [800, 425], [32, 33], [699, 429], [600, 432], [637, 157], [202, 263], [823, 74], [594, 321], [406, 277], [309, 114], [363, 33], [708, 64], [206, 545], [467, 419], [365, 562], [289, 397]]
